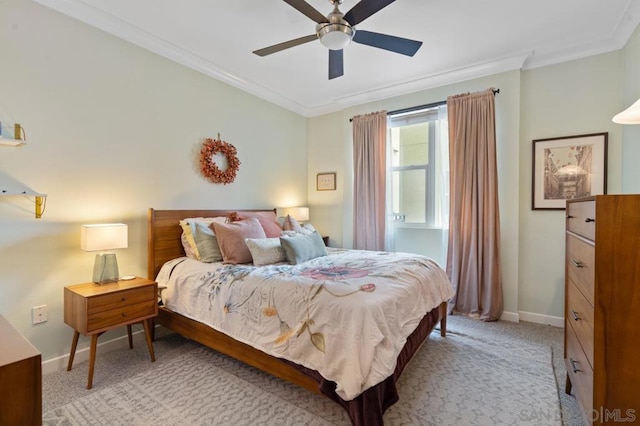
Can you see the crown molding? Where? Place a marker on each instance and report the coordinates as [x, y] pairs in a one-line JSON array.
[[106, 22], [627, 24], [100, 19], [436, 80]]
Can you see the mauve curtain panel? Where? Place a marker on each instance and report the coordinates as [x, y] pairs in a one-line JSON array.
[[473, 254], [369, 176]]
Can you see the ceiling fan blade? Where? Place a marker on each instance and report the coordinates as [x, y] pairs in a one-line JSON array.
[[336, 64], [287, 44], [400, 45], [364, 9], [308, 10]]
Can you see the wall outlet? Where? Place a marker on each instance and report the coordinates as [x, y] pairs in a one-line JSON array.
[[38, 314]]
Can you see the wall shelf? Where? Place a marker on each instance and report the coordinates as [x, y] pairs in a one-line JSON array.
[[11, 142], [9, 187], [17, 134], [40, 200]]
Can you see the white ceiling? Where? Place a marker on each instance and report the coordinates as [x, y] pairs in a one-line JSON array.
[[462, 39]]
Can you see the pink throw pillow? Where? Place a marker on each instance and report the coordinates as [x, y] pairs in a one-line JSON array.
[[231, 238], [268, 220]]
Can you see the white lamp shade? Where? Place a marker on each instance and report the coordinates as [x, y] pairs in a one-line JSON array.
[[106, 236], [630, 115], [300, 214]]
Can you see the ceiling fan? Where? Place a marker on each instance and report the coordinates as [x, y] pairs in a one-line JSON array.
[[337, 30]]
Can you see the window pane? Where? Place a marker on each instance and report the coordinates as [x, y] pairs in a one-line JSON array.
[[409, 145], [409, 195]]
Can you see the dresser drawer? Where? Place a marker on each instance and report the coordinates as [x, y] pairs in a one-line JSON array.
[[115, 300], [121, 315], [580, 265], [579, 371], [580, 318], [581, 218]]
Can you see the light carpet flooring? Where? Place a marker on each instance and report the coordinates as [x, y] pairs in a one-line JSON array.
[[481, 374]]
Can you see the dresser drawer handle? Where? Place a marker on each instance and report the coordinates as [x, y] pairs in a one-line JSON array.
[[577, 263], [570, 217], [575, 315], [124, 314], [123, 299], [589, 220], [573, 365]]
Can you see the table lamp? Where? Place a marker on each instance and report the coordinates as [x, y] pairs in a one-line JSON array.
[[104, 237], [301, 214]]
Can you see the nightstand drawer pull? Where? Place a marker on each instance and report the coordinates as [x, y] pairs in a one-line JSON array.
[[575, 315], [123, 299], [577, 263], [573, 365], [124, 314], [589, 220], [570, 217]]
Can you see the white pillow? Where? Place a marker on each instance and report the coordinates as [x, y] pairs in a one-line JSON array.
[[265, 251]]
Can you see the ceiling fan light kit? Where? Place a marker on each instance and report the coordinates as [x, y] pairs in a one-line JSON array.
[[337, 33], [335, 36], [337, 30]]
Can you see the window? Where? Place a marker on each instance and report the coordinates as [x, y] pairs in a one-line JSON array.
[[418, 154]]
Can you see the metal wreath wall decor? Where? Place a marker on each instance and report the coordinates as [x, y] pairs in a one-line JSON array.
[[208, 166]]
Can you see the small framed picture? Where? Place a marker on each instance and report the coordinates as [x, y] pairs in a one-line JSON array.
[[568, 167], [326, 182]]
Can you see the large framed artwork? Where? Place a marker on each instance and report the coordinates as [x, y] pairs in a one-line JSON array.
[[568, 167]]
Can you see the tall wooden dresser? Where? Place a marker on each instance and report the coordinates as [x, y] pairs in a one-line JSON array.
[[602, 307]]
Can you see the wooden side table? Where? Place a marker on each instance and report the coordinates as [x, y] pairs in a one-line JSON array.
[[92, 309]]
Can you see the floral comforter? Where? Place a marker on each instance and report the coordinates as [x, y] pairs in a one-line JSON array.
[[346, 315]]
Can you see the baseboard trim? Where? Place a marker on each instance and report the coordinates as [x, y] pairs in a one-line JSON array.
[[542, 319], [60, 362], [510, 316]]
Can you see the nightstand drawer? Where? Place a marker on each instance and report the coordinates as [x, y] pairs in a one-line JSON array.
[[116, 300], [580, 265], [580, 318], [579, 371], [121, 315]]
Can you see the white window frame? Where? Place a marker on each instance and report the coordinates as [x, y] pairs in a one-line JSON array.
[[429, 115]]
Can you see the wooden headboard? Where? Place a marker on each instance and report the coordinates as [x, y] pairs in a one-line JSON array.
[[164, 233]]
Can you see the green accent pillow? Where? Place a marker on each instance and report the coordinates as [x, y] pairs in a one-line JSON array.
[[206, 242], [301, 247]]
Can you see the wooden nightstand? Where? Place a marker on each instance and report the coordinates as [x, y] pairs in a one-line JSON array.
[[92, 309]]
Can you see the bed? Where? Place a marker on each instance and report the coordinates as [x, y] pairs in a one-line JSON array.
[[367, 407]]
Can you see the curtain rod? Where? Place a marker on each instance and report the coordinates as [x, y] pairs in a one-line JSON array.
[[425, 106]]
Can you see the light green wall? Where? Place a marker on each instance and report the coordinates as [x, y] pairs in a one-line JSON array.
[[631, 134], [572, 98], [330, 142], [112, 130], [576, 97]]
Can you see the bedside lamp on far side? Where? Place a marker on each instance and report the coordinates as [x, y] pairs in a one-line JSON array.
[[104, 237], [301, 214]]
